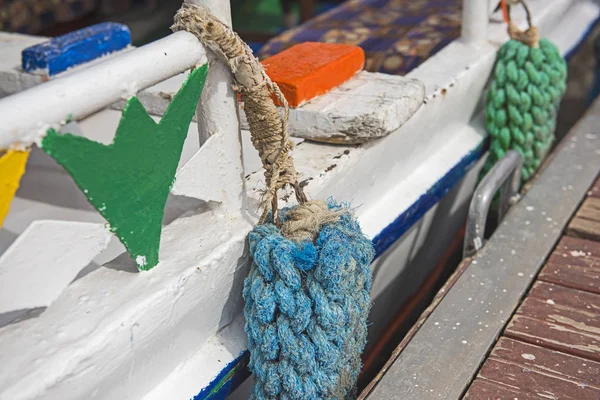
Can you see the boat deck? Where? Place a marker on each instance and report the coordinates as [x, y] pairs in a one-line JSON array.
[[551, 346], [520, 319]]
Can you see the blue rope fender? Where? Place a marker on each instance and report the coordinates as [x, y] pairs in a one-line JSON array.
[[307, 294], [306, 310]]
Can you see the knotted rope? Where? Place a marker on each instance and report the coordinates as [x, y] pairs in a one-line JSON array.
[[269, 130], [528, 83], [307, 293]]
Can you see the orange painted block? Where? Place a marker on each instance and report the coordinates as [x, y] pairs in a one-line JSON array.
[[308, 70]]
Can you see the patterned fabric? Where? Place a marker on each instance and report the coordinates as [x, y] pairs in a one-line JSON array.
[[33, 16], [396, 35]]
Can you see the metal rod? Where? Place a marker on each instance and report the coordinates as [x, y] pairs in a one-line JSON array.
[[505, 175], [26, 116]]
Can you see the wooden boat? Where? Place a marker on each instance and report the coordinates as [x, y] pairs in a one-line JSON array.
[[176, 332]]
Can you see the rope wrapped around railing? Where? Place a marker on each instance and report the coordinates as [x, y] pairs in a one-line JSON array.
[[307, 293]]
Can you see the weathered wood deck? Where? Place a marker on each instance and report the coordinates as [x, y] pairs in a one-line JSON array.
[[551, 347]]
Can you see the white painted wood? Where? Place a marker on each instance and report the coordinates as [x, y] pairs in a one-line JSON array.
[[475, 17], [133, 325], [496, 17], [157, 98], [211, 175], [454, 80], [492, 4], [197, 370], [23, 212], [114, 78], [217, 115], [369, 106], [45, 258], [218, 104], [12, 78]]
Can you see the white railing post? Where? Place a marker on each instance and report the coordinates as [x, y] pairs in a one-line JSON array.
[[217, 109], [475, 18], [217, 113]]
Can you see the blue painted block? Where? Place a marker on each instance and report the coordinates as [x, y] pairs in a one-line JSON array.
[[76, 48]]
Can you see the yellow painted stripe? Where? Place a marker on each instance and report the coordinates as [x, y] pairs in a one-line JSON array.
[[12, 167]]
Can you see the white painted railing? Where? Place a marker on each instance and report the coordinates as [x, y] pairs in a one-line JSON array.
[[26, 116]]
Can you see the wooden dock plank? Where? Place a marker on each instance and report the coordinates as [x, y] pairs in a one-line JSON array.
[[552, 363], [482, 389], [570, 341], [565, 300], [559, 318], [536, 382], [519, 370], [586, 223], [575, 263], [574, 277]]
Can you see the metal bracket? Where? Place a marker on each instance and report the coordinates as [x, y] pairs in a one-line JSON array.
[[504, 176]]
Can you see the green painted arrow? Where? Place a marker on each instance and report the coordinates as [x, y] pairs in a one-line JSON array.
[[128, 181]]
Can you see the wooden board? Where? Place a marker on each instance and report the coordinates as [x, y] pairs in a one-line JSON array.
[[586, 223], [369, 106], [483, 389], [574, 263], [559, 318], [595, 190], [524, 371]]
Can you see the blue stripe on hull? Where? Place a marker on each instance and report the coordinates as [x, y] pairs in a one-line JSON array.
[[391, 233]]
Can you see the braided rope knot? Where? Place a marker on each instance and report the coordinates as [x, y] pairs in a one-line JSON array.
[[306, 307]]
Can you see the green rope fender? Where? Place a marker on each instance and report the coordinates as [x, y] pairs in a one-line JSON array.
[[529, 81]]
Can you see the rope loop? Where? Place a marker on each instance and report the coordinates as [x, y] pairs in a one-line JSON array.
[[531, 36]]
